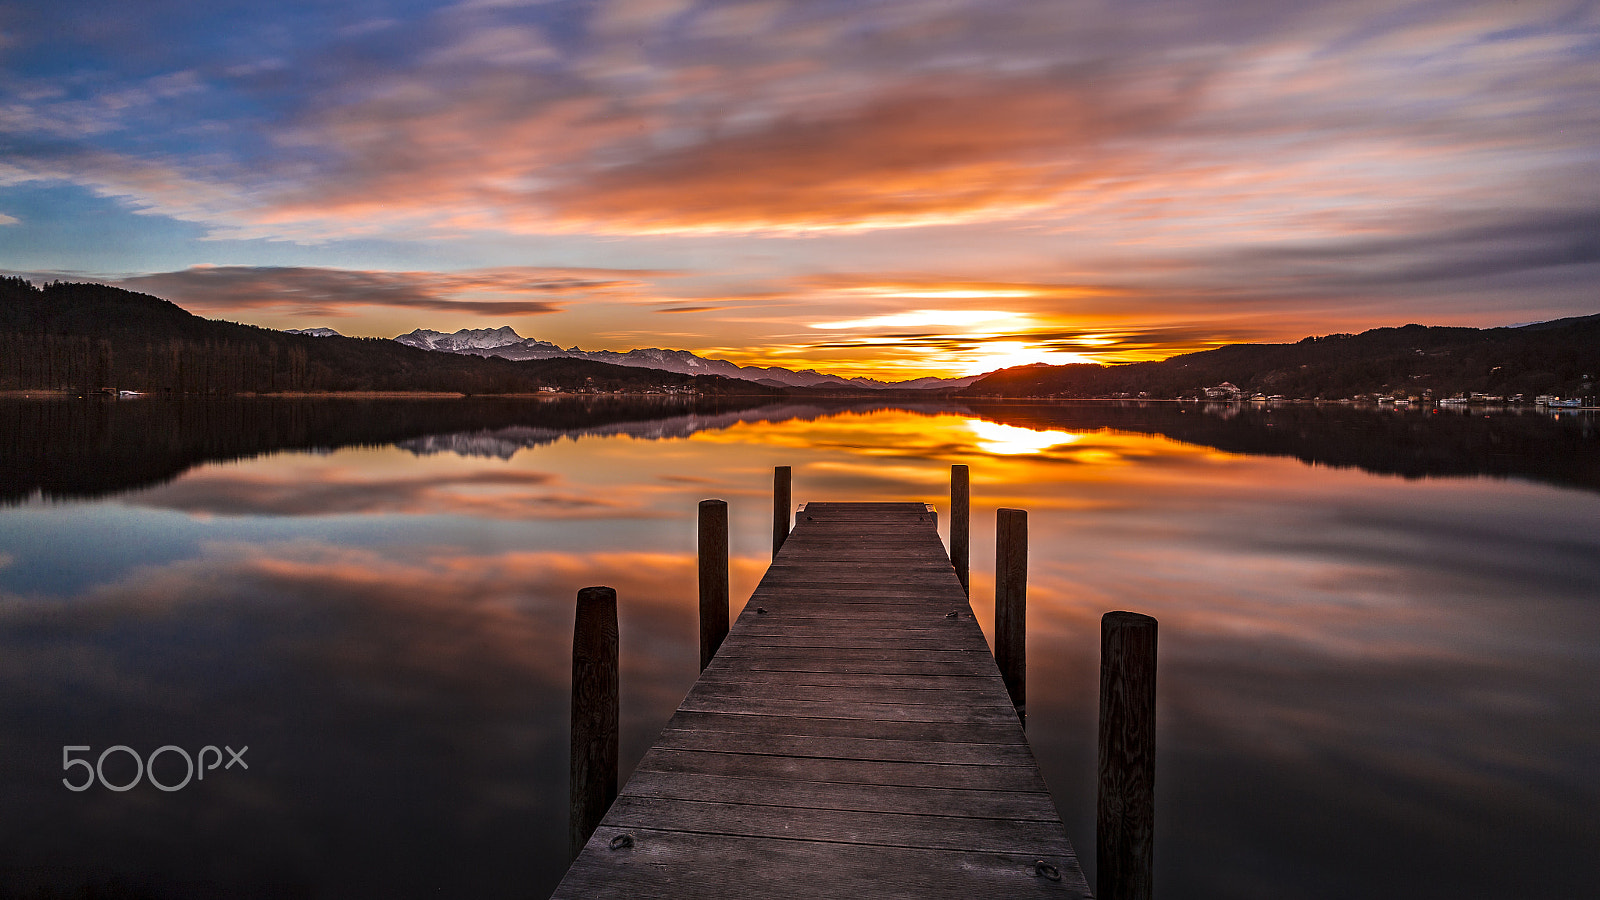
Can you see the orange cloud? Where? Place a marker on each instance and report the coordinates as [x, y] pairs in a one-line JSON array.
[[978, 150]]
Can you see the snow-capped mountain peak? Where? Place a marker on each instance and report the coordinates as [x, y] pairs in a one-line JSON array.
[[466, 340], [505, 342]]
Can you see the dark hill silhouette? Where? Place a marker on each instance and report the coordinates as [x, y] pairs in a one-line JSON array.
[[1560, 357], [92, 337]]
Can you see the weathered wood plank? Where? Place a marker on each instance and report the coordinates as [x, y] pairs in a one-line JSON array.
[[745, 649], [964, 754], [865, 682], [878, 829], [865, 661], [845, 771], [682, 866], [976, 695], [926, 623], [1019, 805], [850, 709], [814, 603], [862, 632], [859, 728]]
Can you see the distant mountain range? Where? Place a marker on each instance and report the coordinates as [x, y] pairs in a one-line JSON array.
[[505, 342]]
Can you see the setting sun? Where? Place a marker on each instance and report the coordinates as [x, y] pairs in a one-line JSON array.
[[1004, 354]]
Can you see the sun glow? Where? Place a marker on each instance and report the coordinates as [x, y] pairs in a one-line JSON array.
[[952, 318], [1004, 354]]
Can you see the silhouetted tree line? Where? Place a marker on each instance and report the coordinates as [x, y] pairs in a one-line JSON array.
[[1561, 357], [90, 337]]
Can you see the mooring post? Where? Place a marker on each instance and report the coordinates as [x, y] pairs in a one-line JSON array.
[[1011, 604], [713, 578], [960, 523], [780, 507], [1125, 817], [594, 713]]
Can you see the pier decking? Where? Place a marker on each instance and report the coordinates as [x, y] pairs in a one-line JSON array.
[[852, 738]]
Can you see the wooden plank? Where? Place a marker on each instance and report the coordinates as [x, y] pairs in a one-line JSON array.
[[816, 747], [1019, 805], [865, 682], [811, 601], [800, 631], [846, 659], [847, 666], [847, 771], [852, 709], [861, 728], [878, 829], [850, 739], [848, 620], [666, 864], [955, 655], [976, 695], [846, 617]]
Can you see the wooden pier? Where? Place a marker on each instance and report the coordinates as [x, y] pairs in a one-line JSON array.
[[851, 738]]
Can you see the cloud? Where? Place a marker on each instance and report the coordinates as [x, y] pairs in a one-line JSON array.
[[157, 186], [9, 220], [973, 150], [1506, 245], [507, 46], [513, 495], [333, 292], [635, 16], [971, 318]]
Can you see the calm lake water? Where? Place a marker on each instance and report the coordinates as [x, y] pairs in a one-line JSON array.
[[1380, 631]]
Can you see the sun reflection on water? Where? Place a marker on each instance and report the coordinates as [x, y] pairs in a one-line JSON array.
[[1009, 440]]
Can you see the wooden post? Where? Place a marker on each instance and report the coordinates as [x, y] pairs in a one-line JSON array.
[[594, 713], [960, 523], [780, 507], [713, 578], [1011, 604], [1125, 818]]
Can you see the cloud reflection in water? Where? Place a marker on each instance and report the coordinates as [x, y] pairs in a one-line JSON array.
[[405, 713]]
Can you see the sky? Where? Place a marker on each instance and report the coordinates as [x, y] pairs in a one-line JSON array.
[[891, 188]]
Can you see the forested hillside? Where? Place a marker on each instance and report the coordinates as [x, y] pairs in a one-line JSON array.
[[90, 337], [1560, 358]]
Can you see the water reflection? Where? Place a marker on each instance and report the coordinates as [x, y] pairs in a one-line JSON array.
[[399, 711], [69, 449], [1371, 686]]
